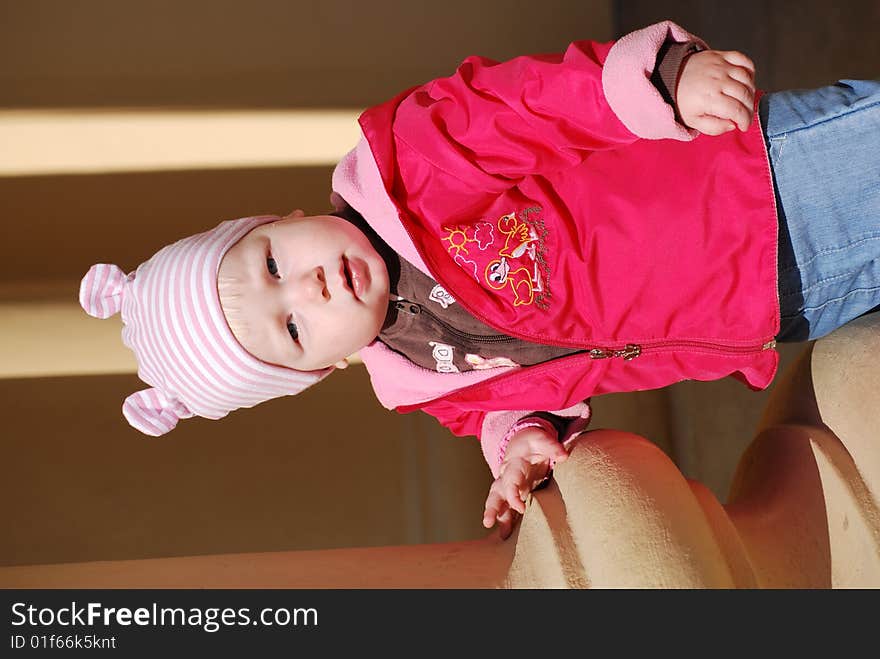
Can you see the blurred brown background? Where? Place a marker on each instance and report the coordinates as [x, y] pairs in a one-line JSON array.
[[330, 468]]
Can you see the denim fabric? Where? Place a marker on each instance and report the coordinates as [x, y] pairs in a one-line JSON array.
[[824, 147]]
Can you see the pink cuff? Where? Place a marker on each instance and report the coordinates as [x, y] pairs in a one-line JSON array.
[[626, 81], [500, 425], [528, 422]]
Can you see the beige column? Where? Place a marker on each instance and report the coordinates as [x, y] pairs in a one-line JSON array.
[[803, 512]]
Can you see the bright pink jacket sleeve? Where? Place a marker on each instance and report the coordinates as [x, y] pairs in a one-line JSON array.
[[495, 122], [536, 114]]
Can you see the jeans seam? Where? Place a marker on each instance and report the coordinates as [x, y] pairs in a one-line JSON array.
[[832, 278], [823, 121], [832, 301], [803, 289], [858, 241]]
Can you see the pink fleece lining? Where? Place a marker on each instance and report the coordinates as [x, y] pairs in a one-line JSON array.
[[412, 384], [358, 181], [626, 81]]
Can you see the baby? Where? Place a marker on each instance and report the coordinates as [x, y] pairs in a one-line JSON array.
[[513, 239], [304, 292]]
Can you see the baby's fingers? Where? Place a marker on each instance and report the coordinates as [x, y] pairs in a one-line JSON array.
[[738, 59], [741, 93], [495, 507], [514, 495], [549, 447], [560, 453], [727, 107], [742, 76], [506, 492], [709, 125]]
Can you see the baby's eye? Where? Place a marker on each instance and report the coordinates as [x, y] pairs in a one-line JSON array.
[[271, 266], [294, 334]]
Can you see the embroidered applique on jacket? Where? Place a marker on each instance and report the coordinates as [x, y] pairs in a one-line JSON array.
[[440, 295], [508, 256], [443, 355]]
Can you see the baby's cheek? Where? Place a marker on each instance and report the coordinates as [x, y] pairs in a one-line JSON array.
[[371, 323], [350, 332]]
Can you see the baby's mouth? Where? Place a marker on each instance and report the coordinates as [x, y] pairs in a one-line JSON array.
[[357, 277], [346, 271]]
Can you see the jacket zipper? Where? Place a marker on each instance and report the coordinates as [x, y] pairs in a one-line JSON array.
[[629, 352], [415, 309]]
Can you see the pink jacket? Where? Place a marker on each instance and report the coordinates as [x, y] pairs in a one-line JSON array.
[[542, 195]]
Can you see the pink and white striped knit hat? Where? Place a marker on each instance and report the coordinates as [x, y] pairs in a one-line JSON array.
[[176, 328]]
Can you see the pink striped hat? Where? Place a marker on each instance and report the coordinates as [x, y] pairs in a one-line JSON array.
[[177, 330]]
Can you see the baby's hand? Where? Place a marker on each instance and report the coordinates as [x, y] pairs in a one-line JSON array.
[[716, 91], [526, 464]]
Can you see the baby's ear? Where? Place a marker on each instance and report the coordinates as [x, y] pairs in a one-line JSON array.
[[299, 212], [342, 363]]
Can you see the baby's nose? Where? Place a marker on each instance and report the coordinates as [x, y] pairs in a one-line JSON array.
[[315, 285]]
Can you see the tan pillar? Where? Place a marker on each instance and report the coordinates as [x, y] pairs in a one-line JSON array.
[[475, 564], [803, 512]]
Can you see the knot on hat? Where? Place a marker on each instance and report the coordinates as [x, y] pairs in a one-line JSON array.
[[150, 411], [100, 292]]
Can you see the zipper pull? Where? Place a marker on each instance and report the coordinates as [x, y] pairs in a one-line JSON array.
[[407, 307], [629, 352], [769, 344]]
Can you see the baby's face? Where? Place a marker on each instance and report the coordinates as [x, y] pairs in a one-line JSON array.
[[308, 291]]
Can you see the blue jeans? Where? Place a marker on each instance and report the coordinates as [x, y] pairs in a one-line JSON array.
[[824, 147]]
